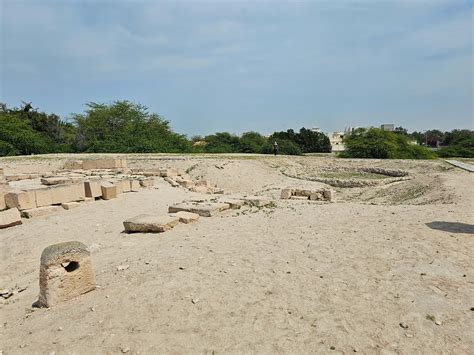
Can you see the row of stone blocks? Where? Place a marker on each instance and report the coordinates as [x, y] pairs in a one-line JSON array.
[[313, 195], [42, 200], [90, 164]]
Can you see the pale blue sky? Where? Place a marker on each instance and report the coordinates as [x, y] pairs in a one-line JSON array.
[[249, 65]]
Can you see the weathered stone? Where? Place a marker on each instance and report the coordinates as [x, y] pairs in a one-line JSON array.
[[200, 189], [109, 190], [304, 198], [169, 172], [20, 199], [43, 197], [256, 201], [3, 205], [57, 180], [147, 182], [74, 165], [150, 224], [234, 204], [92, 189], [65, 272], [186, 217], [125, 185], [64, 193], [70, 205], [203, 183], [10, 218], [40, 211], [316, 196], [204, 209], [171, 182], [89, 164], [286, 193], [134, 185], [330, 195]]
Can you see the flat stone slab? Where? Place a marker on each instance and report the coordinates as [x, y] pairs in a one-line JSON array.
[[256, 201], [55, 180], [464, 166], [204, 209], [40, 211], [70, 205], [10, 218], [234, 203], [186, 217], [150, 224]]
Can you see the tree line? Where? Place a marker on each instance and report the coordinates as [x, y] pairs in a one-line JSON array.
[[127, 127]]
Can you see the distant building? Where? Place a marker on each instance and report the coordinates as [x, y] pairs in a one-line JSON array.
[[336, 139], [388, 127], [316, 130]]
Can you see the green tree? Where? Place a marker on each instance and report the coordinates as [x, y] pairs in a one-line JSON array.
[[252, 142], [222, 142], [125, 127], [379, 144]]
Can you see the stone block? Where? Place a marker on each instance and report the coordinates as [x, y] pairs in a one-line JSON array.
[[203, 183], [147, 182], [150, 224], [3, 205], [63, 194], [65, 273], [330, 195], [171, 182], [316, 196], [204, 209], [89, 164], [172, 172], [134, 185], [286, 193], [109, 190], [186, 217], [125, 185], [20, 199], [186, 183], [43, 197], [79, 191], [10, 218], [201, 189], [256, 201], [56, 180], [70, 205], [74, 165], [303, 198], [234, 204], [40, 211], [92, 189]]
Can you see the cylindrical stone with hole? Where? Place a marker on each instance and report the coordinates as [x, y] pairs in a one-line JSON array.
[[65, 272]]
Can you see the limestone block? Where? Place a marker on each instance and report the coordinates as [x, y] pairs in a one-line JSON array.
[[147, 182], [171, 182], [10, 218], [204, 209], [286, 193], [89, 164], [43, 197], [79, 191], [63, 193], [125, 185], [3, 205], [200, 189], [65, 272], [186, 217], [203, 183], [123, 163], [40, 211], [20, 199], [109, 190], [56, 180], [172, 172], [330, 195], [118, 184], [70, 205], [303, 198], [92, 189], [134, 185], [234, 204], [74, 165], [256, 201], [316, 196], [186, 183], [150, 224]]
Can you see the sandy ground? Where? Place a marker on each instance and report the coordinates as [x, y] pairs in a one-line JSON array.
[[302, 277]]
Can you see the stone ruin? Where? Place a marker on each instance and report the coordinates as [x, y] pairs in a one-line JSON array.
[[65, 272], [305, 194]]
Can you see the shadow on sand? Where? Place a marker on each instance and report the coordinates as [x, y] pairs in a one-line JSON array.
[[452, 227]]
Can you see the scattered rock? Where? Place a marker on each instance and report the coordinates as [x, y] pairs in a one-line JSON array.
[[125, 350], [195, 300], [122, 267], [403, 325]]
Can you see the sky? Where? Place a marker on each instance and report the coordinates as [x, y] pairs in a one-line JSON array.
[[265, 66]]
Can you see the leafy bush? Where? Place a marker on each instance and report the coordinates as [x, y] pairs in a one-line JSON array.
[[379, 144], [125, 127], [461, 146]]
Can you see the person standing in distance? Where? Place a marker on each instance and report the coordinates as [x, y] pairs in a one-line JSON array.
[[275, 148]]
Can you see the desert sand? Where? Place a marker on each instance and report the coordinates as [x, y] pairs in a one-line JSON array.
[[385, 269]]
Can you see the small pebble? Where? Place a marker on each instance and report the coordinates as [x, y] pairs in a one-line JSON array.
[[408, 335], [403, 325], [438, 322], [195, 300], [60, 329], [125, 350]]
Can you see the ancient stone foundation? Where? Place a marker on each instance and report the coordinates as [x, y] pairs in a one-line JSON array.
[[65, 272]]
